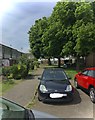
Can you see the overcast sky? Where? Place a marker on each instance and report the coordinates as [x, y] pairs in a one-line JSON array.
[[18, 20]]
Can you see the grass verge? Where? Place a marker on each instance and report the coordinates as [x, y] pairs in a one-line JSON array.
[[6, 85], [71, 73], [33, 101]]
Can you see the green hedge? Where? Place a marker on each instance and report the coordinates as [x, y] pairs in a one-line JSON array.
[[36, 63], [17, 71], [6, 71]]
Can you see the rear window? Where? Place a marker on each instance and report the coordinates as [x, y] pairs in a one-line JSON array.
[[54, 75]]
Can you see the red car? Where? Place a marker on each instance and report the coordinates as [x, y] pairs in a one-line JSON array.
[[86, 80]]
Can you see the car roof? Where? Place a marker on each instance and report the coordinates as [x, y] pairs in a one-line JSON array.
[[91, 68], [53, 69]]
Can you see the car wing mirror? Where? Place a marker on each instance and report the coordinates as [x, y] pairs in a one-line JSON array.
[[79, 73]]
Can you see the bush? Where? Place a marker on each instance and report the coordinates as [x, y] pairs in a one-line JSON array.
[[24, 60], [32, 66], [18, 71], [14, 71], [23, 71], [10, 76], [36, 63], [6, 71]]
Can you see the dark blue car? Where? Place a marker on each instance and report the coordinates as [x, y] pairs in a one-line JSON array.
[[55, 86]]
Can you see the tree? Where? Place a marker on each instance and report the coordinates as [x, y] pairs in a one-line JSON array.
[[64, 12], [81, 30], [80, 43], [35, 36], [53, 39], [85, 42], [93, 8], [82, 12], [65, 31], [59, 30], [68, 48]]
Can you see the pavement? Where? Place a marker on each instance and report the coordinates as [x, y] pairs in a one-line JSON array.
[[23, 92]]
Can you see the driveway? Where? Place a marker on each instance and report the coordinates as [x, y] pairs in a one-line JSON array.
[[81, 107]]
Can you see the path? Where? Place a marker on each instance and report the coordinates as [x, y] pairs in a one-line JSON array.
[[24, 91]]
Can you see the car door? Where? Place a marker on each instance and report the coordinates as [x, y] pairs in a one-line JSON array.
[[82, 78], [90, 79]]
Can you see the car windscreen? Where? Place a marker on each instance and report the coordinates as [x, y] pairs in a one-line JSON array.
[[10, 110], [54, 75]]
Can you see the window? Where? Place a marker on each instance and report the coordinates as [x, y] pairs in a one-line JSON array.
[[85, 72], [54, 75], [91, 73]]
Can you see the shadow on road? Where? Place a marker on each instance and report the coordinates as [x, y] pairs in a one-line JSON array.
[[31, 77], [76, 100]]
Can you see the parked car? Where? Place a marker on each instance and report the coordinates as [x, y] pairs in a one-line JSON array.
[[10, 110], [54, 86], [86, 80]]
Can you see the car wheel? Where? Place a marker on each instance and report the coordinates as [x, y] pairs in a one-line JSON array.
[[39, 98], [92, 94], [76, 83]]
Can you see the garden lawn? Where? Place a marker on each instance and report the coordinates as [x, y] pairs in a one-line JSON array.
[[6, 85], [71, 73]]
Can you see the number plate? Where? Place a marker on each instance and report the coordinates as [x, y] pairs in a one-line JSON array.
[[57, 95]]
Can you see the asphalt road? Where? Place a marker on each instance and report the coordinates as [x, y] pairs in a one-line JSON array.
[[80, 107]]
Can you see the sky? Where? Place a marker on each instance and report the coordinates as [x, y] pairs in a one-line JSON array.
[[19, 17]]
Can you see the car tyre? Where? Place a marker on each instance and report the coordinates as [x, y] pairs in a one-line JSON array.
[[39, 98], [92, 94], [76, 83]]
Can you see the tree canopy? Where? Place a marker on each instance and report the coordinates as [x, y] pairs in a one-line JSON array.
[[70, 30]]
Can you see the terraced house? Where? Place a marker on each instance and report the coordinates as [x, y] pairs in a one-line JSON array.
[[8, 55]]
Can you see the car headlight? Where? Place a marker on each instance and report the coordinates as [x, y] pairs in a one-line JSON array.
[[68, 88], [43, 89]]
